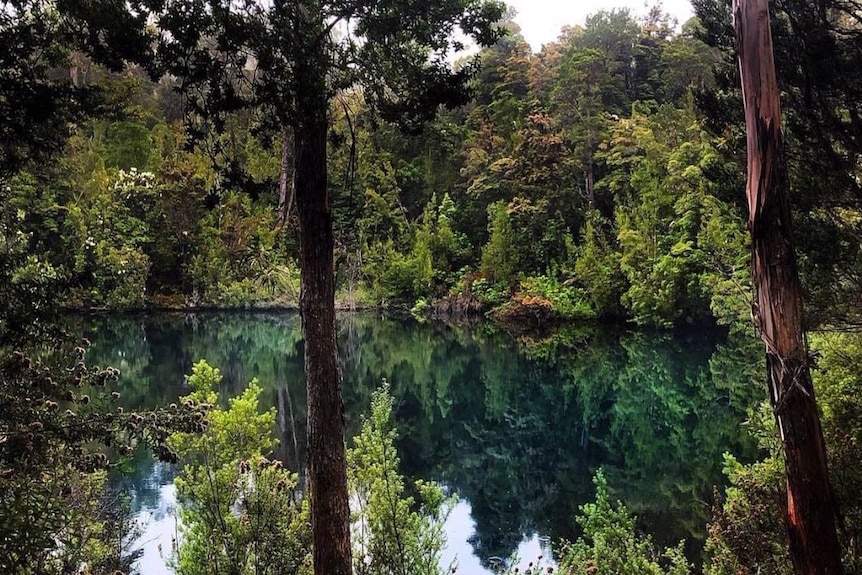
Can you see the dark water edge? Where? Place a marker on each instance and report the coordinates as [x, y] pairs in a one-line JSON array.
[[515, 424]]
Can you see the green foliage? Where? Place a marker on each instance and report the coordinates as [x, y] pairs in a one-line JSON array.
[[598, 268], [679, 246], [111, 234], [38, 106], [394, 533], [584, 163], [60, 429], [399, 277], [238, 260], [568, 303], [747, 534], [128, 146], [500, 256], [428, 267], [91, 523], [240, 511], [419, 309], [725, 275], [837, 385], [817, 109], [175, 224], [422, 255], [611, 546], [27, 277], [489, 294]]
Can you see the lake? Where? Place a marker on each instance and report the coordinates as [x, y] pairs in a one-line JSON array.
[[516, 426]]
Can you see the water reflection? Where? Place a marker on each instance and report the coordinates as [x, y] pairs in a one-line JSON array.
[[515, 427]]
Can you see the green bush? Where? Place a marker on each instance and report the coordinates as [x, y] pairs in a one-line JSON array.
[[121, 277], [500, 260], [392, 532], [611, 546], [598, 267], [566, 302], [399, 277], [489, 294], [59, 428], [239, 510], [419, 309], [747, 535], [241, 513]]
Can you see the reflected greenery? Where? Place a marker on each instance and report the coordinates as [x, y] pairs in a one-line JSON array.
[[516, 425]]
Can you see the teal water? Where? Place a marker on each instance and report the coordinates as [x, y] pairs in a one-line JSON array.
[[516, 427]]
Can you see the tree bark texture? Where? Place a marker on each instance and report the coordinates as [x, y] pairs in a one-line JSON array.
[[777, 309], [327, 463]]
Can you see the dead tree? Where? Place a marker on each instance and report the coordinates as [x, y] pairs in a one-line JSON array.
[[777, 309]]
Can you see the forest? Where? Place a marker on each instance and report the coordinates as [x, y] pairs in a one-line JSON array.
[[598, 178], [580, 182], [238, 155]]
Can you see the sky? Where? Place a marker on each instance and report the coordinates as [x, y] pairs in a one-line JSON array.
[[541, 20]]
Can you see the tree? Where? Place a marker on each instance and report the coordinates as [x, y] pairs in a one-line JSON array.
[[239, 510], [615, 34], [59, 423], [821, 111], [38, 103], [585, 83], [58, 418], [777, 309], [287, 60]]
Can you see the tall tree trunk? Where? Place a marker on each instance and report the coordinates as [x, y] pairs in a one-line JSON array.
[[327, 463], [777, 311]]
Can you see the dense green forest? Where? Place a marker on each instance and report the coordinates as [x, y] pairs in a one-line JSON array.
[[598, 179], [581, 182]]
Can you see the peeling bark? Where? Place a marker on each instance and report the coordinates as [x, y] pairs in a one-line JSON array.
[[777, 309]]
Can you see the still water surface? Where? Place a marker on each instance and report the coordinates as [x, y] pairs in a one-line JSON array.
[[515, 426]]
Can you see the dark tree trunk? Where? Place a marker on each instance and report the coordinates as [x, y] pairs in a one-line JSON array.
[[777, 310], [327, 463]]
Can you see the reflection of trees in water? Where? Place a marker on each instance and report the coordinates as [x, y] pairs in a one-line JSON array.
[[141, 479], [517, 428]]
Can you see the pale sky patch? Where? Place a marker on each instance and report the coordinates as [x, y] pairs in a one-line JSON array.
[[542, 20]]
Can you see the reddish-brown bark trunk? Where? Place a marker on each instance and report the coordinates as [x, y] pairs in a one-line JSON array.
[[327, 463], [777, 310]]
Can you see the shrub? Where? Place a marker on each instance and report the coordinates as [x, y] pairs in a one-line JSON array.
[[392, 532], [611, 546], [240, 511], [489, 294], [566, 302], [747, 535]]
